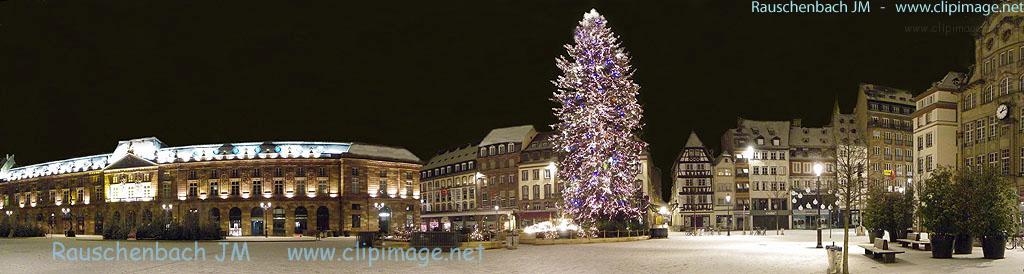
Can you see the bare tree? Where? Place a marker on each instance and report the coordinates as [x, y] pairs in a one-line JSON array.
[[851, 162], [781, 193]]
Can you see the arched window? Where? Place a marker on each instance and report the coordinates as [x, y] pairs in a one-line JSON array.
[[256, 221], [501, 149], [1006, 86], [301, 215], [1021, 82], [323, 219], [235, 218]]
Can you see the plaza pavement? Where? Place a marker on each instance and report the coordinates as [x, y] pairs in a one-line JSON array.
[[791, 253]]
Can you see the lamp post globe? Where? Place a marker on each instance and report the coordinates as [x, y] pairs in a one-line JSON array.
[[728, 222], [818, 169]]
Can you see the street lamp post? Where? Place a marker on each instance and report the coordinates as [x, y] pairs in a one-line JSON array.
[[10, 232], [497, 223], [265, 206], [817, 172], [167, 209], [65, 211], [749, 155], [728, 224]]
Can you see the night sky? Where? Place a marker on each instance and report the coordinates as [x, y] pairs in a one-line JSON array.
[[78, 76]]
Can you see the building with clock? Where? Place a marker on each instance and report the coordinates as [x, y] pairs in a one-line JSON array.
[[990, 100], [262, 188]]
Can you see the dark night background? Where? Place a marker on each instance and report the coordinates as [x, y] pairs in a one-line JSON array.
[[78, 76]]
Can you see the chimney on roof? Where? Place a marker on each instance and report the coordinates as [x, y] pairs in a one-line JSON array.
[[796, 122]]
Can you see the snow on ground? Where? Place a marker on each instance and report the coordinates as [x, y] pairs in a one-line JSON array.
[[792, 253]]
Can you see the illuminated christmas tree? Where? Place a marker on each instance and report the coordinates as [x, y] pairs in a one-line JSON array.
[[595, 136]]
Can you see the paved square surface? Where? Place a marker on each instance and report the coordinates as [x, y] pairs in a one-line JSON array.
[[792, 253]]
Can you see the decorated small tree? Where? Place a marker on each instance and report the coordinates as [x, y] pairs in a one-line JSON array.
[[598, 116]]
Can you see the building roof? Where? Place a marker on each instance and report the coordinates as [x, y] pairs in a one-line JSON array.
[[130, 161], [516, 134], [887, 94], [541, 142], [694, 141], [810, 136], [381, 152], [459, 155], [153, 150], [952, 81], [768, 130]]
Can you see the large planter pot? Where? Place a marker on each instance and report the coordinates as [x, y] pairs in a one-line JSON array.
[[659, 233], [875, 234], [963, 245], [901, 234], [942, 246], [994, 247]]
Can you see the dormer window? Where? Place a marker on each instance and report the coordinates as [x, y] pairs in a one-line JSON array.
[[760, 140]]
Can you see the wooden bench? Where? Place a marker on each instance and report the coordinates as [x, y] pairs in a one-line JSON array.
[[880, 249], [915, 241]]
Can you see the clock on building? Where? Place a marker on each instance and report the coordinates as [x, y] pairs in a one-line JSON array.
[[1002, 111]]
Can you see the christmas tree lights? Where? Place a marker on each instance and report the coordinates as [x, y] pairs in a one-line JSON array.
[[595, 136]]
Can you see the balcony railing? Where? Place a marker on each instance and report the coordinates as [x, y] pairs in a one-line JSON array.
[[693, 173], [687, 190], [695, 207]]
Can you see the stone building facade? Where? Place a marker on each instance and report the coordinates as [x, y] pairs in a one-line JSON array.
[[884, 118], [990, 101], [540, 191], [935, 127], [499, 156], [270, 188], [724, 183], [761, 149], [449, 184], [810, 146]]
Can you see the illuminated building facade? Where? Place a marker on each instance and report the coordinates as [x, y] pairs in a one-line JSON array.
[[449, 190], [884, 117], [540, 191], [269, 188]]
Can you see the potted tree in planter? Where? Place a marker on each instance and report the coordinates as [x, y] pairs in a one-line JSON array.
[[992, 213], [901, 214], [872, 216], [939, 211], [890, 211], [968, 182]]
